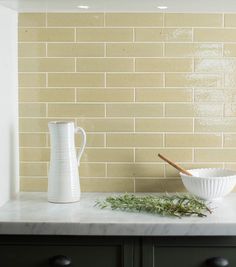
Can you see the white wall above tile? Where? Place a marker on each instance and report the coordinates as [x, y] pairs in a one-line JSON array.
[[9, 182], [120, 6]]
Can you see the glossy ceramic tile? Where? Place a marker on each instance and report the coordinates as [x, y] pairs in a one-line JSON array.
[[46, 35], [105, 95], [134, 49], [75, 20], [104, 35], [163, 34], [214, 35], [193, 49], [159, 185], [32, 20], [46, 65], [194, 110], [104, 65], [75, 50], [163, 95], [164, 125], [135, 170], [133, 19], [32, 79], [72, 110], [32, 50], [134, 140], [107, 124], [33, 139], [139, 84], [193, 140], [193, 20], [134, 80], [134, 110], [150, 155], [47, 95], [33, 169], [75, 80], [163, 65]]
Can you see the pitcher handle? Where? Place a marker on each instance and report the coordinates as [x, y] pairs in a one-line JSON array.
[[80, 152]]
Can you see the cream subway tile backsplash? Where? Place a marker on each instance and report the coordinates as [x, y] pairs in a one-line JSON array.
[[164, 94], [33, 184], [196, 140], [71, 110], [104, 65], [230, 140], [32, 50], [32, 110], [214, 35], [33, 169], [201, 50], [75, 20], [158, 185], [104, 35], [134, 79], [93, 140], [229, 49], [150, 155], [134, 110], [133, 19], [46, 65], [108, 155], [32, 20], [107, 124], [75, 50], [32, 79], [163, 65], [47, 95], [171, 172], [163, 34], [107, 185], [194, 110], [34, 154], [230, 20], [212, 124], [33, 139], [134, 49], [75, 80], [92, 169], [193, 80], [134, 140], [164, 125], [193, 20], [215, 155], [46, 35], [105, 95], [135, 170], [139, 83]]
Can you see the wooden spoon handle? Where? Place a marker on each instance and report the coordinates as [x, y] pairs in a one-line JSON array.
[[176, 166]]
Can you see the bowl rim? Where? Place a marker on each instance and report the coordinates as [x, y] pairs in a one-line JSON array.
[[233, 176]]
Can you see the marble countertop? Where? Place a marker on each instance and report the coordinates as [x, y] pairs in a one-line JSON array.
[[30, 213]]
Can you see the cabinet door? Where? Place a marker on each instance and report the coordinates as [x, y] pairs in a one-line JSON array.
[[81, 251], [190, 252]]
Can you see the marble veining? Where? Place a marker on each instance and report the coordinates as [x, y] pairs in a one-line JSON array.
[[30, 213]]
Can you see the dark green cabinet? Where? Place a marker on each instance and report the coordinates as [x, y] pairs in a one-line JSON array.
[[54, 251], [82, 251], [189, 252]]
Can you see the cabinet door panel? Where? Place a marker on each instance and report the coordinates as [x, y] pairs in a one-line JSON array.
[[191, 256], [81, 256]]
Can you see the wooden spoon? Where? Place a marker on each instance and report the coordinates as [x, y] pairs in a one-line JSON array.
[[176, 166]]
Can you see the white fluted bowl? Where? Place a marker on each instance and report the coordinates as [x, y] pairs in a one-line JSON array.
[[209, 184]]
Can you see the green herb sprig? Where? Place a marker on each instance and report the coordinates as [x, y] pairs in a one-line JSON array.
[[168, 205]]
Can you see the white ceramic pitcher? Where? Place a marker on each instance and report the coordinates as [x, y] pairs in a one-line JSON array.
[[63, 178]]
